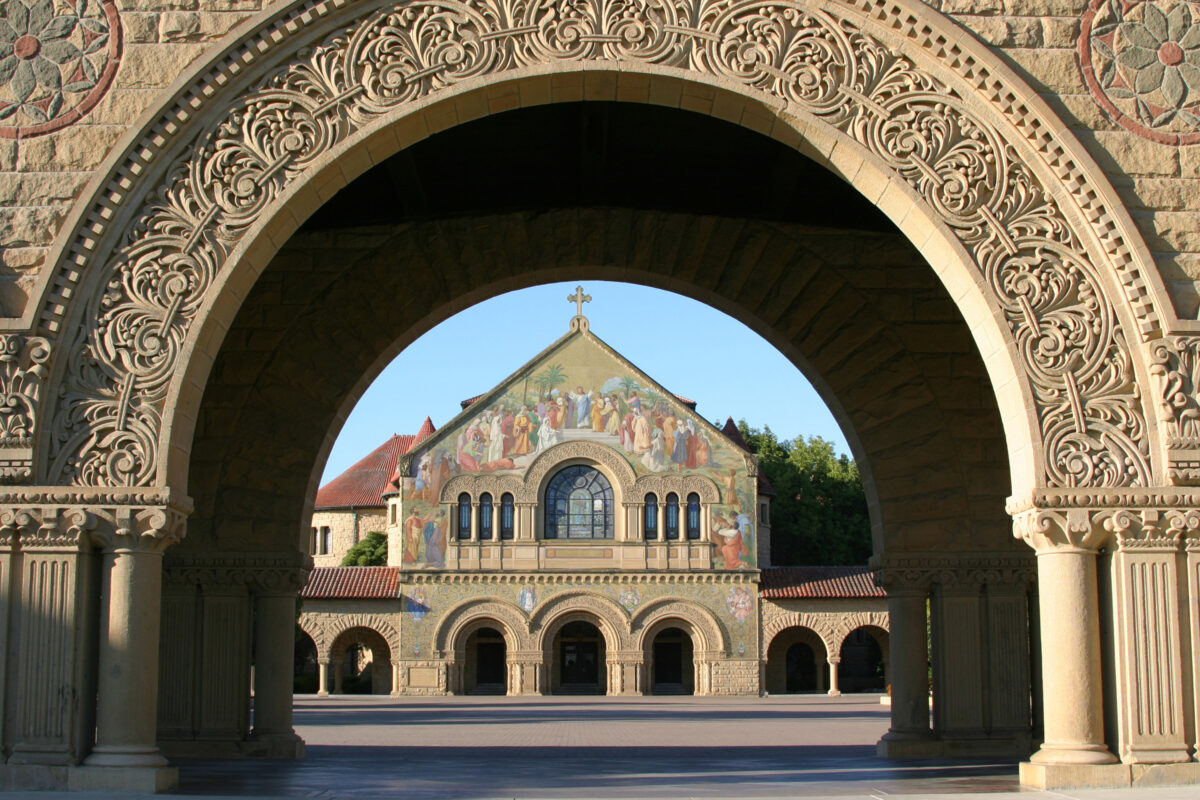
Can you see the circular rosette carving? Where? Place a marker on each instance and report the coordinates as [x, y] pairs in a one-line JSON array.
[[57, 59], [803, 57], [411, 51], [942, 151]]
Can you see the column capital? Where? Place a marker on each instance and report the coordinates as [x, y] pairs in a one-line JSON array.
[[917, 573], [74, 518], [1063, 521]]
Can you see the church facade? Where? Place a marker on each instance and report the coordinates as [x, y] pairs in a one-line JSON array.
[[578, 529]]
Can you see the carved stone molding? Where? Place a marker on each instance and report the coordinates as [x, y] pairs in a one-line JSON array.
[[948, 142], [707, 633], [577, 578], [921, 572], [831, 627], [1175, 363], [680, 484], [459, 621], [1090, 529], [284, 573], [326, 628]]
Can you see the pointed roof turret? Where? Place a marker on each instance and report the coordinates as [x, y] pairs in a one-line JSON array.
[[734, 434], [424, 433]]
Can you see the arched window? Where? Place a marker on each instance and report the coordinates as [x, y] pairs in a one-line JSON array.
[[693, 516], [650, 519], [579, 504], [507, 517], [326, 541], [672, 516], [464, 516], [485, 517]]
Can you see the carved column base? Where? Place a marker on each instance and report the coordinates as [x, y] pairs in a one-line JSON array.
[[277, 745], [1049, 777]]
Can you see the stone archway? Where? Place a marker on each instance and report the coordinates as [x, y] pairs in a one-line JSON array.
[[1038, 256]]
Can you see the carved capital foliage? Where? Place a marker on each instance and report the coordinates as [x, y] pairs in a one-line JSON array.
[[1146, 519], [22, 370], [1176, 367], [950, 145], [111, 527]]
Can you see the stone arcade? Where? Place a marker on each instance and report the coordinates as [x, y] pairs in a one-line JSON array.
[[1013, 350]]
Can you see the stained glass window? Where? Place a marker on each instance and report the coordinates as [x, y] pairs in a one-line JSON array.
[[650, 525], [672, 516], [506, 516], [485, 517], [579, 504], [693, 516], [464, 516]]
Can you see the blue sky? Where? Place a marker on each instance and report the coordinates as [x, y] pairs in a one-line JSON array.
[[690, 348]]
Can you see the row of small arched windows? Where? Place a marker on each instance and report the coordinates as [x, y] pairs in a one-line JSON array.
[[670, 517], [486, 514]]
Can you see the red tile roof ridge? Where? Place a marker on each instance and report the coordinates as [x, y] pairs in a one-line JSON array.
[[364, 484], [352, 583], [825, 582]]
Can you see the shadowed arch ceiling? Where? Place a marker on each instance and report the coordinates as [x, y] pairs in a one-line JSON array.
[[852, 302]]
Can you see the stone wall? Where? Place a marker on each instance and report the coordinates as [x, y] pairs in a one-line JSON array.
[[347, 528]]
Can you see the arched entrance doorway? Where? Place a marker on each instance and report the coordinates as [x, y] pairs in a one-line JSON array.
[[580, 656], [796, 662], [361, 662], [180, 358], [672, 667], [486, 670]]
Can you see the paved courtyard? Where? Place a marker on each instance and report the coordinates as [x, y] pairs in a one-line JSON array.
[[463, 747]]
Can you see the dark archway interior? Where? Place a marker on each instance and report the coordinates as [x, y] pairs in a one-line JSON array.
[[599, 154], [619, 191]]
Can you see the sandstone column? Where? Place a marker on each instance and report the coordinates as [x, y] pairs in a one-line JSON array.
[[274, 645], [322, 679], [909, 669], [128, 660], [833, 662]]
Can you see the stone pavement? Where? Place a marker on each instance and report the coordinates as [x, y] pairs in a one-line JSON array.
[[363, 748]]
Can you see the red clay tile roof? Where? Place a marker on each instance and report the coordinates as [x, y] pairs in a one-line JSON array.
[[352, 583], [363, 485], [426, 431], [809, 583]]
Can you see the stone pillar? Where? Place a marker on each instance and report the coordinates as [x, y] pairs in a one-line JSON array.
[[339, 667], [274, 663], [1066, 542], [907, 613], [127, 693], [833, 662], [958, 637], [1151, 620], [322, 679], [48, 595]]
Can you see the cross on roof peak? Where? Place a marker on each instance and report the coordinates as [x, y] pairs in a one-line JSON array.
[[579, 321]]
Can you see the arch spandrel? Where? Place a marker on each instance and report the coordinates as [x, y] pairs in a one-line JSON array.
[[480, 612], [852, 82], [649, 619]]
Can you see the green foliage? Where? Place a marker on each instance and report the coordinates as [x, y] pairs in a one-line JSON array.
[[819, 515], [371, 551]]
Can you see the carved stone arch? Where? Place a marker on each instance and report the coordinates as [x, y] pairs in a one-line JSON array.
[[817, 623], [585, 605], [476, 485], [646, 621], [680, 484], [906, 100], [469, 615], [617, 469], [852, 621], [315, 625], [339, 624]]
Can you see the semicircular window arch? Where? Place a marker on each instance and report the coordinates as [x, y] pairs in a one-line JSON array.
[[579, 504]]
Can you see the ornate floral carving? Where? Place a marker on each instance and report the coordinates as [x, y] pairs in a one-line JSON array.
[[920, 572], [57, 59], [1176, 365], [1072, 348], [1141, 62], [22, 370]]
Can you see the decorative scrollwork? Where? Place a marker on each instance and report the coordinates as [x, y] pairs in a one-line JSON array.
[[1070, 342], [1176, 365], [22, 370]]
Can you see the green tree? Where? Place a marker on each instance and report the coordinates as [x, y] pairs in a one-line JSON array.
[[550, 377], [371, 551], [819, 514]]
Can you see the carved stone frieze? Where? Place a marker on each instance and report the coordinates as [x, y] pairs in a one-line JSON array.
[[920, 572], [284, 573], [950, 146], [1165, 525], [80, 527], [22, 370]]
